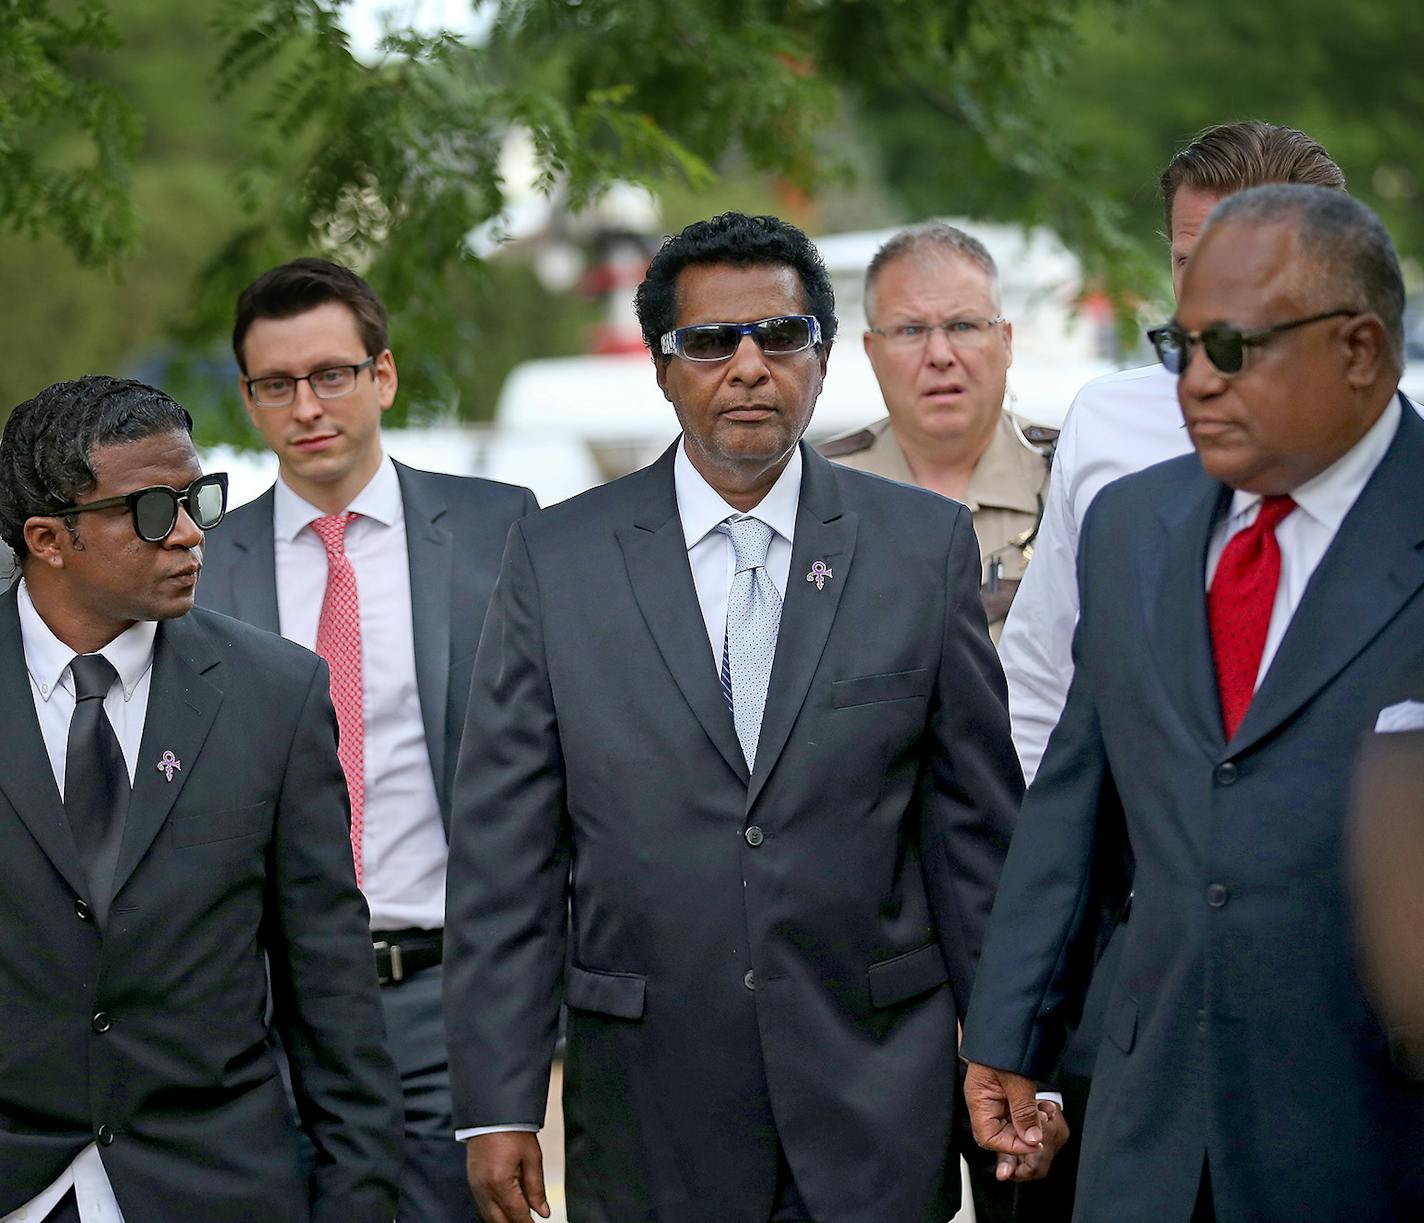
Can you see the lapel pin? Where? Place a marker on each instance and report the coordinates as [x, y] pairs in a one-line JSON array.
[[167, 764], [820, 572]]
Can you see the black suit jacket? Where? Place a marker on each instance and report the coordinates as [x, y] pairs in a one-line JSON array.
[[239, 862], [780, 956], [455, 530], [1238, 1028]]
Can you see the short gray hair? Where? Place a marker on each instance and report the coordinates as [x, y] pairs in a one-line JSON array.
[[1344, 246], [930, 237]]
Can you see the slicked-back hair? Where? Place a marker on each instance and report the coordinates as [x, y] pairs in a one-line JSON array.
[[48, 440], [930, 239], [736, 240], [1231, 157], [1346, 255], [302, 285]]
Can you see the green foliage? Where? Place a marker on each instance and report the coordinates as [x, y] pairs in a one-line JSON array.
[[67, 142]]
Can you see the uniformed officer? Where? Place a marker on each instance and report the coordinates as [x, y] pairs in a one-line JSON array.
[[941, 349]]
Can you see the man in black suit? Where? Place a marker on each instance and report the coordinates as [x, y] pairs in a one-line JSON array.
[[174, 823], [1241, 608], [386, 572], [777, 881]]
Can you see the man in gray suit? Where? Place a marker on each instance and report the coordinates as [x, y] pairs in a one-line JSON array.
[[738, 713], [386, 572], [1242, 607]]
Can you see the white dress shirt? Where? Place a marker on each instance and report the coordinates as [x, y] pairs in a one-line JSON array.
[[403, 843], [713, 563], [1117, 424], [709, 552], [1305, 534], [52, 687]]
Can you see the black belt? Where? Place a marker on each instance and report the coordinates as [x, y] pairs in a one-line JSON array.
[[403, 953]]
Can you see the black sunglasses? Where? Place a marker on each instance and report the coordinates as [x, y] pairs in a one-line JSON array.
[[155, 510], [1225, 347]]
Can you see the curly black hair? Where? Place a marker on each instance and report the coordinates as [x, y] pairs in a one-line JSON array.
[[741, 241], [45, 449]]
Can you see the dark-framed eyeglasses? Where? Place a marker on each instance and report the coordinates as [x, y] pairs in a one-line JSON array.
[[333, 382], [155, 510], [782, 336], [960, 332], [1225, 347]]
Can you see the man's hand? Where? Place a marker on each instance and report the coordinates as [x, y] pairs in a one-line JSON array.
[[1007, 1119], [506, 1173]]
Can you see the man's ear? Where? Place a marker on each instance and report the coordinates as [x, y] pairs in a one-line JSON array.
[[1367, 348], [48, 541], [661, 364], [247, 403], [386, 379]]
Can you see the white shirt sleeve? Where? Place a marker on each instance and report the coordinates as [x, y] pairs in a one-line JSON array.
[[476, 1131], [1036, 647]]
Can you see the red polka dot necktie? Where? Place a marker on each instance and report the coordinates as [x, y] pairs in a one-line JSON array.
[[1239, 604], [338, 640]]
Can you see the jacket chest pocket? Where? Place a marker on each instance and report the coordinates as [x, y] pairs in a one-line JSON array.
[[211, 827], [878, 689]]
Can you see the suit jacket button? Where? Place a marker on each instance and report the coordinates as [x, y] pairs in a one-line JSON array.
[[105, 1136], [82, 910], [755, 836], [1226, 774], [1215, 895], [101, 1022], [749, 980]]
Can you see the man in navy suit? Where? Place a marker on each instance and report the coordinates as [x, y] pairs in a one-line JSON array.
[[1242, 607], [386, 571]]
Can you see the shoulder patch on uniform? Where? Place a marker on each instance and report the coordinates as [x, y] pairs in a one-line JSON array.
[[849, 443], [1041, 435]]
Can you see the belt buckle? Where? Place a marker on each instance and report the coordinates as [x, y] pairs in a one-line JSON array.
[[389, 968]]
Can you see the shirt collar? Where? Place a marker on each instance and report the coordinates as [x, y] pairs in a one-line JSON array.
[[701, 507], [47, 658], [380, 501], [1327, 497]]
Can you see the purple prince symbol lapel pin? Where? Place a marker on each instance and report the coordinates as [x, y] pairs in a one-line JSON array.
[[167, 764], [820, 573]]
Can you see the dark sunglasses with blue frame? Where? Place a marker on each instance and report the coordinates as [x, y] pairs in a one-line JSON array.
[[777, 337]]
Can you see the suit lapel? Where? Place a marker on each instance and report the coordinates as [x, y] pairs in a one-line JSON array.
[[254, 570], [823, 533], [1173, 565], [25, 774], [181, 708], [655, 554], [431, 551], [1374, 565]]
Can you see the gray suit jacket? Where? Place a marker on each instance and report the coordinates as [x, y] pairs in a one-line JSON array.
[[455, 532], [756, 959], [150, 1035], [1237, 1029]]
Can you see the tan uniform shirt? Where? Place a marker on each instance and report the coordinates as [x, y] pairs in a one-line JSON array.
[[1005, 495]]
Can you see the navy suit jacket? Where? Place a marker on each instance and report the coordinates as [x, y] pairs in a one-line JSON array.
[[1238, 1028], [763, 958], [455, 530]]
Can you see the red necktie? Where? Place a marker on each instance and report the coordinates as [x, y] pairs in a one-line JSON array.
[[338, 640], [1239, 603]]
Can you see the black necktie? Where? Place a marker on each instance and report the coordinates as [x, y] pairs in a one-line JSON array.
[[96, 780]]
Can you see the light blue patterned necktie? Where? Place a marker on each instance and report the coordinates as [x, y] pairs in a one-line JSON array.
[[753, 616]]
